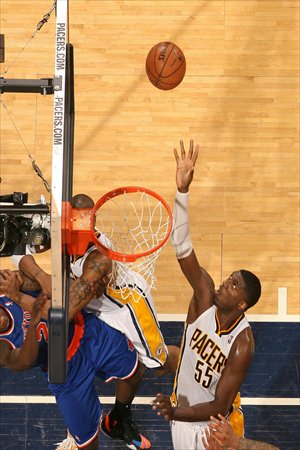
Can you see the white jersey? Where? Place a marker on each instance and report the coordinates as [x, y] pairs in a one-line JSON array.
[[135, 317], [204, 352]]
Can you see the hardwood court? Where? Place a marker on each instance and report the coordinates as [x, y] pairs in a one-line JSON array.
[[239, 100]]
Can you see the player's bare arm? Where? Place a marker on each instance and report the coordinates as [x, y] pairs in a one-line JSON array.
[[236, 368], [198, 278], [221, 435], [232, 376], [29, 267], [11, 283], [23, 358], [91, 284], [25, 282], [249, 444]]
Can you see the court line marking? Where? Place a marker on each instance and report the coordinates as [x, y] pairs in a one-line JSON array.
[[250, 317], [48, 399], [281, 316]]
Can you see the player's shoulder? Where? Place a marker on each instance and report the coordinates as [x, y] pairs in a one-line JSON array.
[[95, 255], [244, 342]]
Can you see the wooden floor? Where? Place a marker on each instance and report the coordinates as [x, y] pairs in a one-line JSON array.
[[239, 100]]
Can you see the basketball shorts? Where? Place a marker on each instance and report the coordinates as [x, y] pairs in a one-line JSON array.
[[103, 352], [136, 318], [236, 416], [185, 436]]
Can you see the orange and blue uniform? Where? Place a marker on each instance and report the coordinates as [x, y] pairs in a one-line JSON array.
[[94, 350]]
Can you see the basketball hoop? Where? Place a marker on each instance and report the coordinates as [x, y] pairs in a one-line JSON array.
[[134, 224]]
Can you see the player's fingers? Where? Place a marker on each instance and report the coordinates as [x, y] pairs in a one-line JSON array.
[[5, 274], [222, 418], [176, 155], [182, 150], [218, 440], [195, 154], [19, 278], [212, 426], [214, 420], [205, 443], [191, 148], [207, 440]]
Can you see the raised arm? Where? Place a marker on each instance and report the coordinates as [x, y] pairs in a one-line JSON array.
[[196, 275]]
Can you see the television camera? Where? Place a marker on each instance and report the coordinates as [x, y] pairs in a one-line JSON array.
[[23, 224]]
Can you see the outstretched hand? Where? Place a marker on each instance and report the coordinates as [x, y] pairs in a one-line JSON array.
[[163, 405], [220, 435], [185, 166]]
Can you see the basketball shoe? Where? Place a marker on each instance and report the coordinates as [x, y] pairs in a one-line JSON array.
[[67, 444], [126, 430]]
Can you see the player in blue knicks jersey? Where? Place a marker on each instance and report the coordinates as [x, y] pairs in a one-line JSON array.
[[94, 349], [217, 344], [19, 346]]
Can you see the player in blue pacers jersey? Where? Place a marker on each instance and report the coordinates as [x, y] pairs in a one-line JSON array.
[[94, 349]]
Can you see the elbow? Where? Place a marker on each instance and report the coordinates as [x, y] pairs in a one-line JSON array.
[[222, 406]]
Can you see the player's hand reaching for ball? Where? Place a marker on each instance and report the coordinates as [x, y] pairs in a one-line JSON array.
[[163, 405], [185, 166]]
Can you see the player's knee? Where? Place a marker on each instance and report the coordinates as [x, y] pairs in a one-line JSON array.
[[138, 374], [170, 365]]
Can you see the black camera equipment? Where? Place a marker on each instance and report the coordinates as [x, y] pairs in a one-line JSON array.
[[22, 224]]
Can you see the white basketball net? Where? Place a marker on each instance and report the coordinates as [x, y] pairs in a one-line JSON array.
[[133, 223]]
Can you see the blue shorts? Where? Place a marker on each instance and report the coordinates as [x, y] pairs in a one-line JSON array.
[[103, 352]]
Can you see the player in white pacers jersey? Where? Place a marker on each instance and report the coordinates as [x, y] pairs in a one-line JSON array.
[[135, 314], [217, 344], [135, 317]]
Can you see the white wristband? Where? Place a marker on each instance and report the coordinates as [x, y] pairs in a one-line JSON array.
[[180, 236]]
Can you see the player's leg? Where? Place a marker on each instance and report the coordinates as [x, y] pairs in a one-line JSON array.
[[138, 321], [170, 365], [80, 407], [186, 436], [124, 366]]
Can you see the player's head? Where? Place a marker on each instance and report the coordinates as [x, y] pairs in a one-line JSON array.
[[252, 287], [238, 292], [82, 201]]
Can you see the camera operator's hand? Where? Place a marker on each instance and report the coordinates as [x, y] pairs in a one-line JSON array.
[[10, 284]]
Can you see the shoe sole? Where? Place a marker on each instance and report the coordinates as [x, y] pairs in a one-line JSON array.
[[104, 432], [132, 446]]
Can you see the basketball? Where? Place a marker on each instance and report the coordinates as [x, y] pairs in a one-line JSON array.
[[165, 65]]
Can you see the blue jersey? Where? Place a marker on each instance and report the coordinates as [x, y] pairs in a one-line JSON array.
[[94, 350], [16, 333], [19, 321]]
